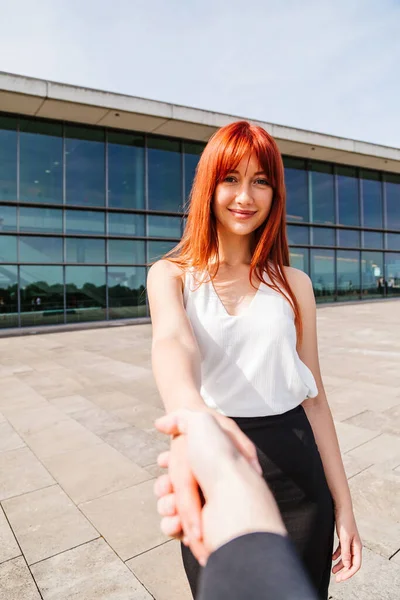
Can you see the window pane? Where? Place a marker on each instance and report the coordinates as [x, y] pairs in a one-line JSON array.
[[349, 238], [156, 250], [34, 249], [125, 224], [126, 252], [84, 221], [372, 239], [85, 250], [8, 248], [372, 199], [191, 158], [393, 241], [8, 158], [297, 235], [8, 296], [41, 169], [323, 236], [348, 275], [126, 292], [348, 196], [296, 180], [393, 201], [86, 293], [323, 274], [42, 220], [322, 193], [165, 175], [8, 218], [392, 262], [125, 170], [164, 226], [42, 295], [299, 259], [85, 166], [372, 273]]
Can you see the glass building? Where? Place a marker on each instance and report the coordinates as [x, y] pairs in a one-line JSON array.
[[84, 208]]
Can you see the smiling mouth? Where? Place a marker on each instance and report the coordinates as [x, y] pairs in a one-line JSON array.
[[247, 213]]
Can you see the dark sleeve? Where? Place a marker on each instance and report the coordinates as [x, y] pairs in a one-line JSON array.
[[260, 566]]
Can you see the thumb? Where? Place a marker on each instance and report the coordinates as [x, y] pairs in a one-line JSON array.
[[171, 424]]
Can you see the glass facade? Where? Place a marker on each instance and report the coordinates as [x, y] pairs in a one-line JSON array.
[[83, 210]]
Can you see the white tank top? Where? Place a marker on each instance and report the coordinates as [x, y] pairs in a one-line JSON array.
[[249, 363]]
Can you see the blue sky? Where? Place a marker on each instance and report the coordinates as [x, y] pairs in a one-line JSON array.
[[324, 65]]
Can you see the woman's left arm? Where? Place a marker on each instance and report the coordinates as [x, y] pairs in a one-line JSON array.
[[320, 417]]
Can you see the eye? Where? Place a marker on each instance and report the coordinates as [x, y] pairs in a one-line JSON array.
[[230, 179], [262, 181]]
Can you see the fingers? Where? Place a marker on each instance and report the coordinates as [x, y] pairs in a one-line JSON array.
[[345, 570], [163, 486], [336, 554], [163, 460], [171, 526], [166, 505]]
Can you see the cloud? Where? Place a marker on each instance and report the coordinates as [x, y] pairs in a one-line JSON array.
[[320, 65]]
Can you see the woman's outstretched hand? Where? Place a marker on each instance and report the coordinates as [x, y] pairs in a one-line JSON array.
[[209, 453]]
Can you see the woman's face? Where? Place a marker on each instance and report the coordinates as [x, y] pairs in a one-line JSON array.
[[242, 201]]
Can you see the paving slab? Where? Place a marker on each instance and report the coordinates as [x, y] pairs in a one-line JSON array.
[[92, 472], [98, 421], [21, 472], [159, 581], [64, 436], [127, 519], [89, 572], [384, 422], [71, 404], [350, 436], [16, 581], [139, 446], [141, 416], [111, 399], [58, 524], [384, 450], [9, 438], [8, 544], [28, 421]]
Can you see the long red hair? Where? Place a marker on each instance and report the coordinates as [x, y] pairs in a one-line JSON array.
[[199, 245]]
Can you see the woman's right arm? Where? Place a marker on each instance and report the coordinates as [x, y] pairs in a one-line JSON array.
[[175, 353]]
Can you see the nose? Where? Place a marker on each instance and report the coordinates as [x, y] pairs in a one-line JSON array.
[[244, 195]]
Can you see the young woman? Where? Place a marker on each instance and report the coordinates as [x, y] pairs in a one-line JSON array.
[[234, 333]]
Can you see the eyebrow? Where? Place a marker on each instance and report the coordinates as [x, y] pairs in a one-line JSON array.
[[258, 172]]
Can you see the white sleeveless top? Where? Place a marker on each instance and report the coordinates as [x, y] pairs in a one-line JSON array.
[[249, 363]]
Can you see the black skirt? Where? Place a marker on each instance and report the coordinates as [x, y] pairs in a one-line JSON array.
[[293, 469]]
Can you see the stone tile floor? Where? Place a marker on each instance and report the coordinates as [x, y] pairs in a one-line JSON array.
[[78, 458]]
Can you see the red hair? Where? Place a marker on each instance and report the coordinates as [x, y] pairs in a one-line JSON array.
[[199, 245]]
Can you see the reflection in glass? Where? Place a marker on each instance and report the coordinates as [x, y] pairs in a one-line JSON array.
[[8, 296], [85, 166], [322, 193], [298, 235], [8, 158], [348, 196], [349, 238], [392, 186], [299, 259], [169, 227], [8, 248], [191, 158], [372, 199], [126, 292], [156, 250], [323, 274], [41, 163], [393, 241], [42, 295], [41, 220], [126, 252], [84, 222], [127, 224], [164, 175], [86, 293], [296, 180], [372, 239], [125, 170], [392, 266], [34, 249], [8, 218], [323, 236], [348, 275], [85, 250], [372, 275]]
